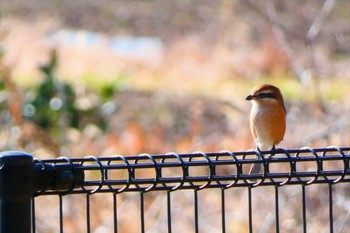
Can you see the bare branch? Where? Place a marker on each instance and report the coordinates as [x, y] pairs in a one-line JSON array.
[[319, 21], [303, 75]]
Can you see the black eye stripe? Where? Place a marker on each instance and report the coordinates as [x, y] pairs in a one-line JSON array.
[[267, 95]]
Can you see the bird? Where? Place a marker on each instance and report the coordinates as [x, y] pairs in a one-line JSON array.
[[267, 119]]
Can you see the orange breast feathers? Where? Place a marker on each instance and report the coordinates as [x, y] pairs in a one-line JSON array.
[[267, 125]]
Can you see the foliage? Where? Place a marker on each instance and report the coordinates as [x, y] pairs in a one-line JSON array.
[[51, 100], [52, 105]]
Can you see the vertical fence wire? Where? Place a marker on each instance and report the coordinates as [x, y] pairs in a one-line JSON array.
[[277, 210], [250, 209], [330, 198], [88, 216], [169, 210], [115, 212], [196, 226], [142, 212], [223, 214], [303, 193], [60, 203], [33, 215]]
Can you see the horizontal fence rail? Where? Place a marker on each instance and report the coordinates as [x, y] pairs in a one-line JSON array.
[[197, 170], [23, 178]]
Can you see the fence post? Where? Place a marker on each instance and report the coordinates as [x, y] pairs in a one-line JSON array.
[[16, 191]]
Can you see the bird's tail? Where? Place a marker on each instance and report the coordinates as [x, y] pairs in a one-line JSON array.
[[255, 169]]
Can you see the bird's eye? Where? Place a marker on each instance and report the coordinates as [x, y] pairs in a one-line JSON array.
[[267, 95]]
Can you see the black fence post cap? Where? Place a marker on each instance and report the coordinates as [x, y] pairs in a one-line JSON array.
[[16, 191], [16, 174], [6, 154]]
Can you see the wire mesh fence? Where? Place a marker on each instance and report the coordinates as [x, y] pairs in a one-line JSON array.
[[198, 192]]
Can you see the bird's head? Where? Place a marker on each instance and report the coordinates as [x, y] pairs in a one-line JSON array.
[[266, 94]]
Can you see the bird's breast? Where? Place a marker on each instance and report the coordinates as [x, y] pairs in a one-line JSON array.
[[268, 125]]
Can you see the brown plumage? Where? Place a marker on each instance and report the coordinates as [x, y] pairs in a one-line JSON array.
[[267, 118]]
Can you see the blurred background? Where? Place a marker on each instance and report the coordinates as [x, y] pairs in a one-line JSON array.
[[127, 77]]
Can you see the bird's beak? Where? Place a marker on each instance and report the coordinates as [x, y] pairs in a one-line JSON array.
[[249, 97]]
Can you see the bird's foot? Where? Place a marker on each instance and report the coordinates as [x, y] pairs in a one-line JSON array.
[[273, 150]]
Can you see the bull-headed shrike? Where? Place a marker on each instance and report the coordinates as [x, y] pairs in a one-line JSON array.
[[267, 118]]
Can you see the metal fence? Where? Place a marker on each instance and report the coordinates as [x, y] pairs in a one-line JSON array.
[[25, 179]]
